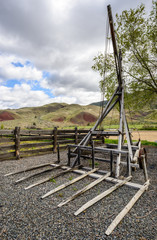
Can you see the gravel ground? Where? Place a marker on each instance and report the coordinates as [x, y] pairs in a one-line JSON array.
[[25, 216]]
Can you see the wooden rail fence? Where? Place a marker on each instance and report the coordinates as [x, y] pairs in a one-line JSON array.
[[17, 143]]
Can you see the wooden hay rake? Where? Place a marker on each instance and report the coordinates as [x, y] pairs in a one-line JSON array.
[[128, 155]]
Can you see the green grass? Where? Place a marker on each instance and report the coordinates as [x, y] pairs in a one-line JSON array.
[[53, 180], [144, 142]]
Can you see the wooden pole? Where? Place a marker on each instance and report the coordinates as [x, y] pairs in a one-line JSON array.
[[58, 154], [17, 142], [78, 154], [144, 168], [111, 163], [37, 174], [93, 157], [69, 183], [127, 208], [128, 165], [68, 156], [101, 196], [76, 136], [55, 140], [86, 188], [29, 169]]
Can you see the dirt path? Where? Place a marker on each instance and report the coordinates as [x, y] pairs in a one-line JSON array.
[[145, 135]]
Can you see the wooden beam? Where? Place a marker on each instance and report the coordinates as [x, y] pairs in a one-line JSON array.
[[127, 208], [17, 142], [128, 138], [89, 186], [28, 169], [107, 133], [36, 174], [49, 178], [69, 183], [144, 168], [101, 196], [100, 149]]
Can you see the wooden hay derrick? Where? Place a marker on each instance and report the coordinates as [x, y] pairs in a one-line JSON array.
[[129, 150], [128, 155]]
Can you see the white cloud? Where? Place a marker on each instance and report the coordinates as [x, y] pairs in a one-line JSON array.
[[21, 96], [9, 71], [60, 37]]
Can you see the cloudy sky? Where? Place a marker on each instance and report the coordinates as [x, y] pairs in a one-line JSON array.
[[47, 49]]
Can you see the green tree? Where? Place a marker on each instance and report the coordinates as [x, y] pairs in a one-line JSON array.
[[137, 37]]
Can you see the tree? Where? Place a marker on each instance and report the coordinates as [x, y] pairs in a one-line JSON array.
[[137, 37]]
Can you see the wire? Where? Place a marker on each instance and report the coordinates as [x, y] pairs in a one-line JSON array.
[[104, 70]]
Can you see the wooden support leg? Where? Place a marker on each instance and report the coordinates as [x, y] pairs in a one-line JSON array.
[[79, 154], [68, 156], [128, 165], [127, 208], [58, 153], [111, 163], [93, 157], [145, 168]]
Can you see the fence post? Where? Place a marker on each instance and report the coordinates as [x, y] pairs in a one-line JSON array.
[[58, 154], [76, 136], [17, 142], [55, 140], [93, 157]]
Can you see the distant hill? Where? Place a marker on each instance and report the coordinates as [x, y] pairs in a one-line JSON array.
[[70, 115], [99, 104], [50, 115]]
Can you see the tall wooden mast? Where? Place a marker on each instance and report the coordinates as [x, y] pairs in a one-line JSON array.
[[117, 98]]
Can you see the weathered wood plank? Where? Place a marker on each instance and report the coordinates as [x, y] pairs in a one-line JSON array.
[[100, 149], [50, 178], [83, 131], [5, 148], [37, 174], [6, 132], [108, 179], [7, 155], [37, 151], [106, 133], [28, 169], [127, 208], [101, 196], [40, 144], [66, 131], [17, 142], [5, 139], [110, 145], [68, 183], [33, 138], [66, 141], [36, 132], [63, 137], [85, 189]]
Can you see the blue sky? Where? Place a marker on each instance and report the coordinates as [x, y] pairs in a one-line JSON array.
[[47, 49]]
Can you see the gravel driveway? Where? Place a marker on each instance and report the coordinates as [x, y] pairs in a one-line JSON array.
[[24, 215]]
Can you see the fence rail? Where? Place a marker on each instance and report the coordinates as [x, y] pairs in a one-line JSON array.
[[17, 143]]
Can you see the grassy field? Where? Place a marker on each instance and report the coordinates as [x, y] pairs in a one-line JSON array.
[[69, 116]]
